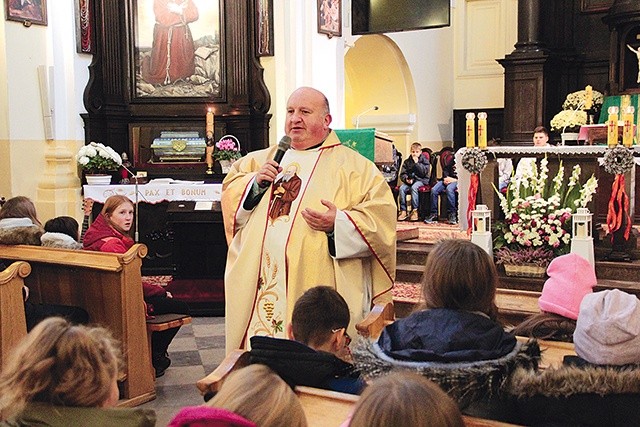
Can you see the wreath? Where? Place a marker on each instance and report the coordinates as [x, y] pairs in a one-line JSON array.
[[474, 160], [618, 160]]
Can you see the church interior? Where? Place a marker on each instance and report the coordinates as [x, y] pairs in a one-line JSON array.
[[86, 71]]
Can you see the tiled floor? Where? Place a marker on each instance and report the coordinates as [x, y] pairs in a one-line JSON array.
[[195, 351]]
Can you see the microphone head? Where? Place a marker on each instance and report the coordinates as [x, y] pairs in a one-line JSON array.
[[285, 143], [375, 107]]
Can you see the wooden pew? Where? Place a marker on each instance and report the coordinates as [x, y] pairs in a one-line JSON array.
[[109, 287], [323, 408], [13, 326]]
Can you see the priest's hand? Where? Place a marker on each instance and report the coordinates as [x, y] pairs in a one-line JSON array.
[[267, 173], [321, 221]]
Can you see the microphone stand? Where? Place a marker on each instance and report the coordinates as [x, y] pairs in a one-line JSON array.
[[136, 235], [375, 107]]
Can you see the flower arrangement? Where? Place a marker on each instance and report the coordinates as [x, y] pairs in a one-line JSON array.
[[577, 100], [227, 149], [537, 214], [98, 158], [568, 120]]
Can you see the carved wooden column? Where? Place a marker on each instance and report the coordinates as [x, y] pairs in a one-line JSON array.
[[534, 79]]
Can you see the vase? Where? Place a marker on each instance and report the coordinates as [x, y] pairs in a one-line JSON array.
[[98, 179], [525, 270], [569, 138], [225, 165]]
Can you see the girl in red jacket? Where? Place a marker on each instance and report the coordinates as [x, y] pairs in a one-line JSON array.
[[109, 232]]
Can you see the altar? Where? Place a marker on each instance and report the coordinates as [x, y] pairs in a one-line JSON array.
[[589, 157], [181, 224]]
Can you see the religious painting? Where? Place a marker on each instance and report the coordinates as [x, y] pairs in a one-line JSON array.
[[631, 59], [264, 27], [593, 6], [330, 17], [84, 43], [178, 50], [27, 11]]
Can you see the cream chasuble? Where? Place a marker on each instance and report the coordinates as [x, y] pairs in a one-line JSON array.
[[270, 308], [274, 256]]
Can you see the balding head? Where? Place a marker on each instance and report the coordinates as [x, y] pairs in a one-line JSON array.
[[308, 118]]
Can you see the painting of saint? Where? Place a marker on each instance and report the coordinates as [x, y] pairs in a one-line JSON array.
[[32, 11], [178, 48]]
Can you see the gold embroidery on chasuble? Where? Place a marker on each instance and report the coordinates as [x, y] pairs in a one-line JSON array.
[[269, 315]]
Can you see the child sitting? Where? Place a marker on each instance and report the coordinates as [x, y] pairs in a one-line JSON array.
[[60, 374], [571, 277], [252, 396], [61, 232], [456, 340], [414, 174], [405, 399], [600, 387], [314, 355]]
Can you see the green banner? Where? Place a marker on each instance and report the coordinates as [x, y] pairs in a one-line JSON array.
[[361, 140]]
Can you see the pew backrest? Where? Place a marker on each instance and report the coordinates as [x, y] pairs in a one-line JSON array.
[[109, 287], [13, 326]]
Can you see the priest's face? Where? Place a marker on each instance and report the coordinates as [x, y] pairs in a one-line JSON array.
[[308, 118]]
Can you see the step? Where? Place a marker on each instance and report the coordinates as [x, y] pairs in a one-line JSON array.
[[409, 273], [412, 252], [407, 234]]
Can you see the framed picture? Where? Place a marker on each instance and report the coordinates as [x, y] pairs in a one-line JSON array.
[[264, 27], [178, 50], [27, 11], [330, 17], [593, 6], [84, 37]]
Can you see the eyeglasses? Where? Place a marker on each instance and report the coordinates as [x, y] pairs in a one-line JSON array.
[[347, 338]]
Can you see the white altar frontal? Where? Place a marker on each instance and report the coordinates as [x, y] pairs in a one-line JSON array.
[[156, 192]]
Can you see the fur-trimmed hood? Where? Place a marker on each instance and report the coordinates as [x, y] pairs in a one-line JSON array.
[[59, 240], [571, 380], [464, 381], [19, 231]]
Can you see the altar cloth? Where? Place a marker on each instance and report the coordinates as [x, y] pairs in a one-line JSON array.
[[155, 193]]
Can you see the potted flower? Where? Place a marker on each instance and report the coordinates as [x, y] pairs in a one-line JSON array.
[[227, 151], [538, 217], [568, 121], [96, 159], [578, 100]]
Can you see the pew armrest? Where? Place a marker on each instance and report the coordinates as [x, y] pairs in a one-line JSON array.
[[379, 317], [211, 383]]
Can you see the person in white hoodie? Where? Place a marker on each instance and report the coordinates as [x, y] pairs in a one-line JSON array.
[[61, 232]]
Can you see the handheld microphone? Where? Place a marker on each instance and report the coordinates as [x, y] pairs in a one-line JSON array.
[[283, 146], [374, 108]]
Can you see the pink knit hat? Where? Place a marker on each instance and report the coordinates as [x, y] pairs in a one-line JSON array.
[[206, 416], [571, 277]]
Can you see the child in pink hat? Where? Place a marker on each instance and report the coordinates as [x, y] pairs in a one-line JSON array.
[[571, 277]]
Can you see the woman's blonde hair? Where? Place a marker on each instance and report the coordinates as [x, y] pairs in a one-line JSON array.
[[110, 205], [460, 275], [405, 399], [60, 364], [20, 207], [260, 395]]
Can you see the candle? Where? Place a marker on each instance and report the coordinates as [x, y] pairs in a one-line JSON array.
[[627, 130], [581, 230], [210, 121], [482, 130], [471, 130], [588, 103], [480, 228], [612, 127]]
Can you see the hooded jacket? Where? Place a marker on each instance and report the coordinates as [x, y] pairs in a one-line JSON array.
[[418, 171], [101, 237], [578, 393], [468, 355], [19, 231], [43, 415], [298, 364], [59, 240]]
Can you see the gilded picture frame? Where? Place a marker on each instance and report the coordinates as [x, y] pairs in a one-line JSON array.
[[178, 50], [264, 27], [330, 17], [26, 11]]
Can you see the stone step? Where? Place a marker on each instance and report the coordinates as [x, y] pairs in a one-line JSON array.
[[409, 273], [412, 252]]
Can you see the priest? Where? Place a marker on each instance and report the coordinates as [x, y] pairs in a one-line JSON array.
[[339, 228]]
